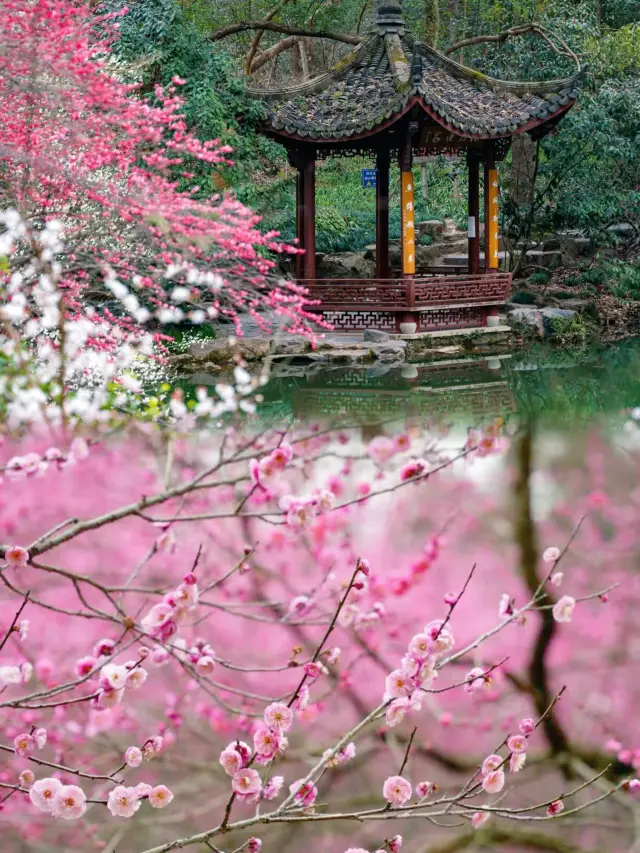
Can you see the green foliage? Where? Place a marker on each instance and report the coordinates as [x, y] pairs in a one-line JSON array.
[[623, 279], [158, 42], [540, 277], [523, 297], [570, 331]]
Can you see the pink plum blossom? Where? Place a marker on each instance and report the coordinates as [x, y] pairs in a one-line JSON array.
[[493, 782], [305, 793], [476, 679], [113, 676], [160, 796], [123, 801], [266, 742], [551, 555], [69, 802], [24, 745], [246, 782], [381, 449], [563, 609], [398, 683], [16, 556], [136, 677], [254, 844], [556, 578], [396, 790], [133, 756], [421, 646], [425, 789], [26, 778], [278, 716], [517, 761], [273, 787], [491, 763], [555, 808], [397, 711], [517, 743], [527, 726], [479, 819], [395, 844], [42, 793]]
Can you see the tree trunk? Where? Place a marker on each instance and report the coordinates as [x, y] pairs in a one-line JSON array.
[[523, 169], [432, 21]]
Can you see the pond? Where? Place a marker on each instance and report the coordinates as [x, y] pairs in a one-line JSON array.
[[560, 387]]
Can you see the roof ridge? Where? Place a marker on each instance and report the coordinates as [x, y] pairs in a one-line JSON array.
[[518, 87]]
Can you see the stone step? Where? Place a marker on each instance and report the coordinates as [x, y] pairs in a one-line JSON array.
[[458, 260]]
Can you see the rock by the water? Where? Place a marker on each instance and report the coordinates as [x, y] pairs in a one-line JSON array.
[[346, 265], [376, 336]]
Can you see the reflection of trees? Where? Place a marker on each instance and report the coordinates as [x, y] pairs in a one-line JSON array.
[[567, 385]]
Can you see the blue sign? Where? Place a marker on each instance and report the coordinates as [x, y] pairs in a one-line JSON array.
[[369, 177]]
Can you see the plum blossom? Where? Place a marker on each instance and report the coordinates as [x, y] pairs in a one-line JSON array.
[[517, 761], [440, 634], [491, 763], [421, 646], [123, 801], [273, 787], [113, 676], [479, 819], [16, 556], [313, 669], [85, 665], [278, 716], [69, 802], [555, 808], [396, 790], [395, 843], [104, 648], [517, 744], [527, 726], [556, 578], [254, 844], [24, 745], [398, 683], [563, 609], [160, 796], [42, 793], [266, 742], [26, 778], [133, 756], [305, 793], [476, 679], [136, 677], [246, 782], [493, 782], [413, 468], [23, 629], [156, 618], [397, 711], [425, 789], [551, 555], [381, 449]]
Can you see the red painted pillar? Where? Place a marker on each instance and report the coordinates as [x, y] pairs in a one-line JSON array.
[[382, 215], [300, 220], [309, 203], [408, 219], [474, 213], [490, 211]]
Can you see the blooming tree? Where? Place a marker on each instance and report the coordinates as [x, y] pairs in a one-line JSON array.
[[104, 239]]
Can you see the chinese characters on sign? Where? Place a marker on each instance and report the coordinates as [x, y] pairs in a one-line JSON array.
[[369, 177], [408, 225], [492, 225]]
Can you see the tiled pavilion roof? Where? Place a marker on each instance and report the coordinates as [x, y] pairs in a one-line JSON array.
[[390, 72]]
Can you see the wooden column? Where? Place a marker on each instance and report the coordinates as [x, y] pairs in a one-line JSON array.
[[408, 211], [490, 212], [474, 213], [382, 215], [300, 220], [309, 214]]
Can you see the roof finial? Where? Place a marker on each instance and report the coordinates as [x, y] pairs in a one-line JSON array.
[[389, 18]]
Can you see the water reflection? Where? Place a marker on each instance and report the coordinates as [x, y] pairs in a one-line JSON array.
[[558, 386]]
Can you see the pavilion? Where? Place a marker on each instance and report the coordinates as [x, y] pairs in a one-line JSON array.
[[394, 96]]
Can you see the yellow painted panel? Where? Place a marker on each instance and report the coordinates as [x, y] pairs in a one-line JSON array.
[[408, 224], [493, 219]]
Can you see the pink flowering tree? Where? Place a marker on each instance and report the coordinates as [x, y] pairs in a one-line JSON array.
[[103, 238], [287, 635]]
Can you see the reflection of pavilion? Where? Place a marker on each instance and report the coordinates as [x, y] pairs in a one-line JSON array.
[[467, 386], [395, 97]]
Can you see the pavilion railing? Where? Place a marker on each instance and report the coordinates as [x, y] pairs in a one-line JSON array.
[[416, 293]]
